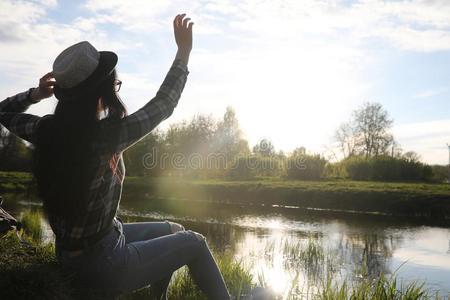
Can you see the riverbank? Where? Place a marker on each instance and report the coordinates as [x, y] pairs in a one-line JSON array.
[[396, 199], [14, 181], [422, 200]]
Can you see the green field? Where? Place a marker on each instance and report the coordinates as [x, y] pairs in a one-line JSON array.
[[402, 199]]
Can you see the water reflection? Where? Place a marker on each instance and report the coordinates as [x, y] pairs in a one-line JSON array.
[[286, 247]]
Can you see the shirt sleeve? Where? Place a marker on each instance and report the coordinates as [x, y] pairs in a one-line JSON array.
[[20, 124], [17, 103], [131, 129], [12, 116]]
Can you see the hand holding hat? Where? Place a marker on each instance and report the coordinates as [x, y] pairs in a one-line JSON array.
[[45, 89]]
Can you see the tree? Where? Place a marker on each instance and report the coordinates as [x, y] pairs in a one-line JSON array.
[[372, 125], [345, 136], [299, 151], [228, 136], [264, 148], [143, 158], [193, 136], [14, 154], [411, 157], [367, 132]]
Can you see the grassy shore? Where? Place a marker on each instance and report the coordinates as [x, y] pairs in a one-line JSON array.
[[14, 181], [399, 199]]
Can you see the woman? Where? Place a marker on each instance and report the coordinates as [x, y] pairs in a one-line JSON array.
[[79, 171]]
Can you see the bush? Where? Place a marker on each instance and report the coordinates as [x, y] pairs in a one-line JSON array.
[[357, 168], [240, 169], [305, 167], [249, 167], [386, 168], [439, 173]]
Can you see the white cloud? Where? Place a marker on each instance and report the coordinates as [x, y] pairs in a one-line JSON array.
[[431, 93], [408, 25], [407, 38], [426, 138], [138, 15], [48, 3], [19, 12], [144, 17]]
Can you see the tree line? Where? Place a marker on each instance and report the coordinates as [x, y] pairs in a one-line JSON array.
[[204, 147]]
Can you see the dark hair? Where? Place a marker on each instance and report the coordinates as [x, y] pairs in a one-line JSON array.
[[63, 157]]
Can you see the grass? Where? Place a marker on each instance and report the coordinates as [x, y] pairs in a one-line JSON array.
[[382, 288], [237, 277], [29, 271], [400, 199], [14, 181], [31, 222], [425, 200]]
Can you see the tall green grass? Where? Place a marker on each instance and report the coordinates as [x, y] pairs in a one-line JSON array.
[[237, 276], [381, 288], [32, 224]]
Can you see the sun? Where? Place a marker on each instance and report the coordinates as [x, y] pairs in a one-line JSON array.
[[299, 97]]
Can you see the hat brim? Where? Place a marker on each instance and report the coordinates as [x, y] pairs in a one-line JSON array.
[[106, 65]]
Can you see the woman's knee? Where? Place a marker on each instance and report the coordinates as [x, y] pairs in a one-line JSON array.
[[197, 236], [175, 227]]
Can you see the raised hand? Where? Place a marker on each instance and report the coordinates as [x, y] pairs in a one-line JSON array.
[[183, 32], [45, 89], [183, 37]]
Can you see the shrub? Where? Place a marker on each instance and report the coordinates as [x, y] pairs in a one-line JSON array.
[[358, 168], [386, 168], [249, 167], [305, 167], [439, 173]]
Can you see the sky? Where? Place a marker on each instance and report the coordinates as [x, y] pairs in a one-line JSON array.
[[293, 70]]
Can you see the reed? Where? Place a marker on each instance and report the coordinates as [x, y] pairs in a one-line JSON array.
[[31, 221]]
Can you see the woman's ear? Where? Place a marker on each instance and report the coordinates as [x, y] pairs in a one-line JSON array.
[[100, 109]]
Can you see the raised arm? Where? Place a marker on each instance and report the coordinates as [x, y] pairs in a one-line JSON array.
[[134, 127], [12, 108], [17, 103]]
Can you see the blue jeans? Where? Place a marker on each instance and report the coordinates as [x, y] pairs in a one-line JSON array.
[[136, 255]]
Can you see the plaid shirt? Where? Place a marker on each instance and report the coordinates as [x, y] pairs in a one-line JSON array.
[[106, 188]]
